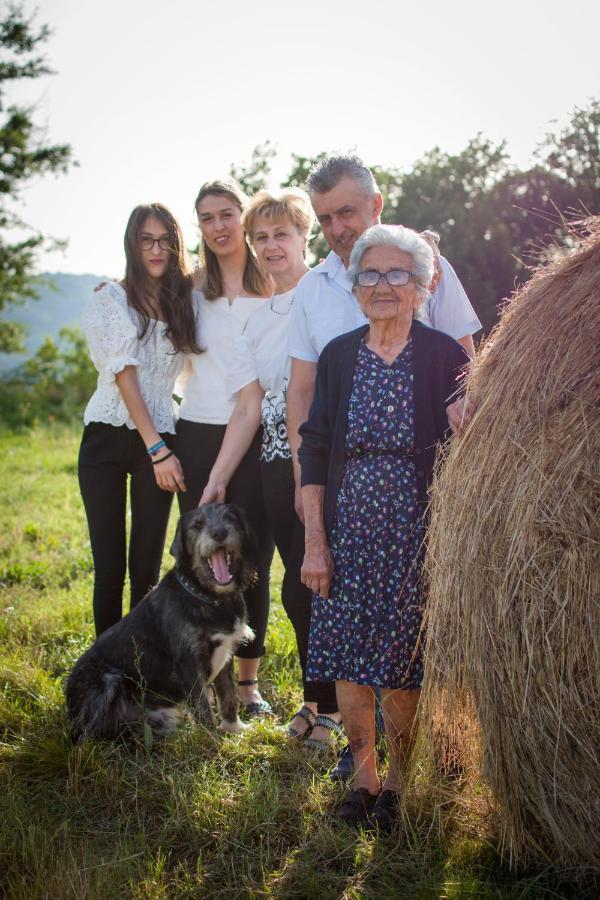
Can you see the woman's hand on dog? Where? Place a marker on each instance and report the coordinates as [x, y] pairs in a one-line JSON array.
[[169, 474], [214, 492]]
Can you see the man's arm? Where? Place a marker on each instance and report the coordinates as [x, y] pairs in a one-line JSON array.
[[300, 393], [451, 311], [468, 344]]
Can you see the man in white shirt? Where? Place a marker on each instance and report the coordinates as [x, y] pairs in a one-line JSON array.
[[347, 201]]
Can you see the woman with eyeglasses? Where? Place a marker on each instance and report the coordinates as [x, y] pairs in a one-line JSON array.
[[278, 228], [229, 287], [138, 331], [367, 458]]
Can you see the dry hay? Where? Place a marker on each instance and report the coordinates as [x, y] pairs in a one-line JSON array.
[[514, 569]]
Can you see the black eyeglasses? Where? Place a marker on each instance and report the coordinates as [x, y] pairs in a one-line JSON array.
[[147, 242], [371, 278]]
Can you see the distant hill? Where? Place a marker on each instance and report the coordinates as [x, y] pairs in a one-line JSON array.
[[54, 309]]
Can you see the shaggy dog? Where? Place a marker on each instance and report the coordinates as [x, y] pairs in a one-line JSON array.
[[177, 641]]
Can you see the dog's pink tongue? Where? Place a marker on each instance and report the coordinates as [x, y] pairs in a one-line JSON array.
[[218, 562]]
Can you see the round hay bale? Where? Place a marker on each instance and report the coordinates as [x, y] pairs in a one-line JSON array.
[[514, 568]]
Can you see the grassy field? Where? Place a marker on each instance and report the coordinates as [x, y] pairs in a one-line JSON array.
[[200, 815]]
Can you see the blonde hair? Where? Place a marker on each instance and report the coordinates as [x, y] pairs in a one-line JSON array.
[[291, 205]]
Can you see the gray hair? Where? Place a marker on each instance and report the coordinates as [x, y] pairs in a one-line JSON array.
[[401, 238], [327, 173]]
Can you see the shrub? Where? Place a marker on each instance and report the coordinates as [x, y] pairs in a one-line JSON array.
[[53, 385]]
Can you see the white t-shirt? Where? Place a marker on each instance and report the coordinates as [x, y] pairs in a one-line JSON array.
[[325, 307], [206, 397], [261, 354], [112, 327]]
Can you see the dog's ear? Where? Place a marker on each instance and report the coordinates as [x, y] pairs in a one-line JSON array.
[[177, 548]]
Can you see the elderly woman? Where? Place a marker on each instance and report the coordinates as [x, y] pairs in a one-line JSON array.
[[367, 458]]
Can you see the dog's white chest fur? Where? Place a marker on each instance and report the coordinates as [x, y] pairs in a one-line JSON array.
[[228, 644]]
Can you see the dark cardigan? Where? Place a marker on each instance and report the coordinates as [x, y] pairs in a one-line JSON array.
[[437, 364]]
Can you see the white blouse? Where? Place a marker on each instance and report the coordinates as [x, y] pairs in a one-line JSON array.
[[206, 397], [261, 353], [112, 328]]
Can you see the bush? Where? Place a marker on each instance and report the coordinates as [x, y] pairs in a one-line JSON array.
[[53, 385]]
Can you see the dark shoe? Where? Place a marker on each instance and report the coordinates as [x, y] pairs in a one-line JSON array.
[[356, 807], [309, 717], [384, 813], [344, 767], [259, 708], [325, 722]]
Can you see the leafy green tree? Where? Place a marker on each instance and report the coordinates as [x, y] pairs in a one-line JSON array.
[[301, 166], [449, 193], [573, 155], [495, 221], [254, 176], [23, 155]]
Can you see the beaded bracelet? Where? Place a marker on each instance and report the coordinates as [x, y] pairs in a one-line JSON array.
[[156, 447], [155, 462]]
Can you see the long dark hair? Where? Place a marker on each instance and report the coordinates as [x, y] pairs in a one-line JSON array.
[[254, 281], [175, 290]]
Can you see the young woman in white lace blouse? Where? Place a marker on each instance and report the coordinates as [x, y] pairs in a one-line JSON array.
[[278, 228], [138, 332]]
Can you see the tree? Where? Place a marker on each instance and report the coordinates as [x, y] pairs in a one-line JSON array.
[[254, 176], [301, 166], [574, 156], [496, 222], [23, 155]]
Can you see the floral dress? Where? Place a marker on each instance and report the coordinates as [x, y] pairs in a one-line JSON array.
[[368, 631]]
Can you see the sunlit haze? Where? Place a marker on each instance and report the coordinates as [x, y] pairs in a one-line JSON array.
[[156, 98]]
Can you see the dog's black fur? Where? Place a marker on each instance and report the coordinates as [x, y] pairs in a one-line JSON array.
[[179, 639]]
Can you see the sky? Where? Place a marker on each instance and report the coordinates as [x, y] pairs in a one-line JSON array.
[[157, 97]]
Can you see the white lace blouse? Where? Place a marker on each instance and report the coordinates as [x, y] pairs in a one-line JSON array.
[[111, 327]]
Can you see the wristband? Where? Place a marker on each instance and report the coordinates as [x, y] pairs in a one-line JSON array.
[[153, 450], [155, 462]]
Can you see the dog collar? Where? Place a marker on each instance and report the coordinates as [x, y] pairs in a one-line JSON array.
[[189, 587]]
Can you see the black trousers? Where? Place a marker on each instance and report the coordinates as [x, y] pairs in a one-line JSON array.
[[107, 456], [197, 446], [288, 532]]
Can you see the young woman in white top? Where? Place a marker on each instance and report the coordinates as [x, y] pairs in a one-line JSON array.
[[138, 332], [278, 229], [230, 286]]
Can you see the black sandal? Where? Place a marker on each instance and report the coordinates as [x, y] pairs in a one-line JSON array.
[[325, 722], [258, 708], [309, 717], [357, 807]]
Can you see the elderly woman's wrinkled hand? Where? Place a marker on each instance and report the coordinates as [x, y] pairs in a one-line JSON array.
[[460, 414], [317, 568]]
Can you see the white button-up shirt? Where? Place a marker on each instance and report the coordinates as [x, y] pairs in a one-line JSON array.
[[325, 307]]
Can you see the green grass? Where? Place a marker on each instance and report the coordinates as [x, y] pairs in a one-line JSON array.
[[198, 815]]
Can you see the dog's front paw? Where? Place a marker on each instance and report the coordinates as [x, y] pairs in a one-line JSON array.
[[233, 727]]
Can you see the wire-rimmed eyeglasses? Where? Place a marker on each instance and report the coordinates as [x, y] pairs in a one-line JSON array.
[[371, 278]]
